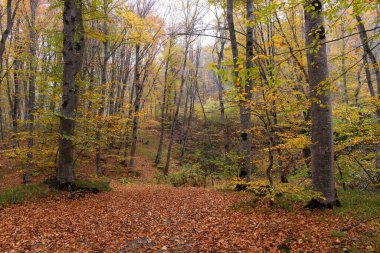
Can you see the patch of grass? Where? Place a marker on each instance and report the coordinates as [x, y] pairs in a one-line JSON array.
[[149, 151], [135, 173], [363, 206], [246, 206], [35, 172], [20, 193], [337, 234], [123, 180], [285, 203], [360, 204], [102, 185], [118, 170]]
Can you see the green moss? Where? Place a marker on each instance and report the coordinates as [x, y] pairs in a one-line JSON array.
[[102, 185]]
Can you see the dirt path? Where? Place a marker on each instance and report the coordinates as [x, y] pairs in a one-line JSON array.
[[151, 218]]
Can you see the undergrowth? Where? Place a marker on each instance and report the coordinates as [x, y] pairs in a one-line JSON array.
[[101, 185], [20, 193]]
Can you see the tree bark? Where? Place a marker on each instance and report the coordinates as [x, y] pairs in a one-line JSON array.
[[32, 87], [18, 66], [322, 153], [245, 107], [104, 68], [164, 95], [138, 93], [177, 106], [245, 113], [368, 51], [10, 21], [73, 47], [219, 83]]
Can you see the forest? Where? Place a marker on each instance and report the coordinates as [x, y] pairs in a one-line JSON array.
[[189, 126]]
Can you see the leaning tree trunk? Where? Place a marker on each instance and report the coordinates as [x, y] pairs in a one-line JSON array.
[[73, 47], [322, 153]]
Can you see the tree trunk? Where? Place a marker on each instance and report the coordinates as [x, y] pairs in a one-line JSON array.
[[32, 87], [18, 66], [164, 95], [322, 153], [138, 93], [368, 51], [219, 83], [177, 105], [103, 78], [344, 74], [10, 21], [245, 110], [73, 47], [245, 113]]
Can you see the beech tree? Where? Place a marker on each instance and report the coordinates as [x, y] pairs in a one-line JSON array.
[[322, 150], [73, 48], [196, 99]]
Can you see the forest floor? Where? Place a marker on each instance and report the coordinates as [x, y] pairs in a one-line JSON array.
[[160, 218], [139, 215]]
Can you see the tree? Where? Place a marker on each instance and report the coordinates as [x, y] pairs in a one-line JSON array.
[[73, 48], [368, 53], [164, 101], [192, 13], [322, 153], [32, 85], [245, 90], [11, 14]]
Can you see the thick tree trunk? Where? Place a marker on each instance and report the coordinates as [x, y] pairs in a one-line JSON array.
[[322, 153], [73, 47]]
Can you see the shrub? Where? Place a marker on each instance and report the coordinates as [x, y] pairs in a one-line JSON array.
[[274, 193], [188, 176]]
